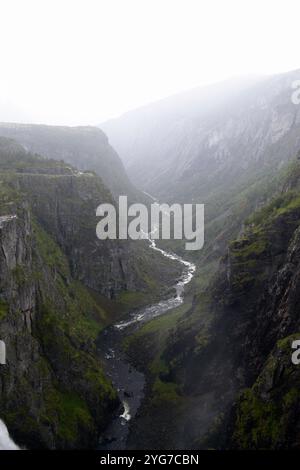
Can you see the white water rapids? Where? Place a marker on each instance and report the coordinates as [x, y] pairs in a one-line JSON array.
[[6, 443], [129, 382], [163, 306]]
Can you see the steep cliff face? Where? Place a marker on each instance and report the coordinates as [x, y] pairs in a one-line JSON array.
[[254, 306], [224, 371], [87, 148], [54, 277], [53, 390], [64, 201], [267, 413], [65, 206]]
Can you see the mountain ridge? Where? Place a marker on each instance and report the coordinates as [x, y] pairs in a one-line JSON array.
[[84, 147], [203, 135]]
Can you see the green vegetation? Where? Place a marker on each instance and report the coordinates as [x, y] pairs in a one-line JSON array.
[[49, 250], [20, 275], [14, 157], [267, 232], [67, 327], [164, 392], [75, 395], [4, 308], [281, 204], [149, 343], [266, 411], [257, 424], [128, 300], [245, 248], [69, 413], [88, 317], [159, 327]]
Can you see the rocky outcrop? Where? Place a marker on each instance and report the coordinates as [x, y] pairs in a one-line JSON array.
[[53, 390], [86, 148], [223, 376], [65, 206], [59, 286], [256, 308]]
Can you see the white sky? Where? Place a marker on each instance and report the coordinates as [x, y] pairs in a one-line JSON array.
[[84, 61]]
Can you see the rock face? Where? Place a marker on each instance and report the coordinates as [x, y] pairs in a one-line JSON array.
[[53, 390], [221, 145], [255, 306], [267, 413], [45, 400], [65, 206], [196, 145], [54, 277], [227, 379], [86, 148]]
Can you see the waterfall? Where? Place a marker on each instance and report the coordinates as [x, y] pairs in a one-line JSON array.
[[6, 443]]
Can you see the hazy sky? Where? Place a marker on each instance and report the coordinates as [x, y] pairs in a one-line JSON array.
[[84, 61]]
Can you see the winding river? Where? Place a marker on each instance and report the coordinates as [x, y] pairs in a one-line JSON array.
[[128, 381]]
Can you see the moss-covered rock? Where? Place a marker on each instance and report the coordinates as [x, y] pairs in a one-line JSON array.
[[267, 414]]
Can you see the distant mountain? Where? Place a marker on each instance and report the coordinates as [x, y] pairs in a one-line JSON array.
[[87, 148], [221, 145], [200, 143]]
